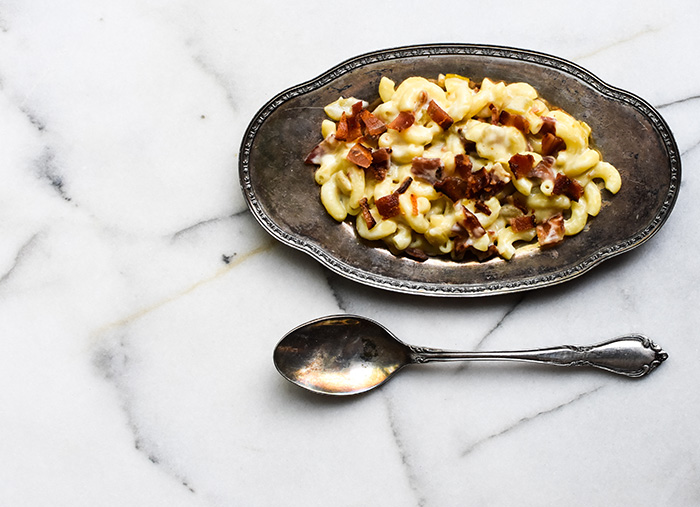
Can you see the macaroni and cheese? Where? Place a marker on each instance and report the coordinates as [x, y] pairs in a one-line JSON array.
[[451, 167]]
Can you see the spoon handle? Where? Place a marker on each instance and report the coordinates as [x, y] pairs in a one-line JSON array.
[[632, 355]]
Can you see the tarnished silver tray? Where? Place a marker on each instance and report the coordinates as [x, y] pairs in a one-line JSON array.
[[631, 134]]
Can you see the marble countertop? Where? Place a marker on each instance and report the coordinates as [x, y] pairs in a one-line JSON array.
[[140, 300]]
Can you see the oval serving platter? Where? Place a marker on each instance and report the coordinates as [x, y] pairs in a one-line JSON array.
[[631, 134]]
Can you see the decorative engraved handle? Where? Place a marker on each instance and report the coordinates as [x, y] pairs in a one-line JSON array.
[[632, 355]]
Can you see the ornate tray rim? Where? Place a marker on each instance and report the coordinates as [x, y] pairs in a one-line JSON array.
[[446, 289]]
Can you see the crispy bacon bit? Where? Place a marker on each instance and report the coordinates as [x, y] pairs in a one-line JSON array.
[[367, 214], [483, 184], [388, 206], [427, 169], [477, 182], [381, 159], [314, 156], [416, 254], [568, 187], [373, 126], [521, 165], [471, 224], [469, 146], [414, 205], [482, 256], [422, 99], [404, 185], [549, 126], [551, 144], [453, 187], [463, 165], [514, 120], [462, 243], [523, 223], [482, 208], [360, 155], [518, 200], [349, 127], [551, 231], [404, 120], [498, 179], [543, 170], [495, 115], [439, 116], [324, 147]]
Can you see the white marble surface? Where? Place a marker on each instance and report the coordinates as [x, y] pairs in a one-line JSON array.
[[140, 301]]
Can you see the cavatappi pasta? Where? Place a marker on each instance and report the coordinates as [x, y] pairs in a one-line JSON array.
[[451, 167]]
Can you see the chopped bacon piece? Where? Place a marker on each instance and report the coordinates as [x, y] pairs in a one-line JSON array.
[[453, 187], [523, 223], [427, 169], [467, 230], [551, 231], [439, 116], [482, 256], [477, 182], [498, 179], [518, 200], [404, 120], [414, 205], [514, 120], [381, 160], [463, 165], [349, 127], [549, 126], [482, 208], [422, 99], [388, 206], [373, 126], [521, 165], [483, 184], [417, 254], [404, 185], [469, 146], [324, 147], [568, 187], [360, 155], [314, 156], [543, 170], [367, 214], [357, 108], [495, 116], [551, 144], [471, 224]]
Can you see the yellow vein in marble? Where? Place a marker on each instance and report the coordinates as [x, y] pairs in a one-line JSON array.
[[228, 267], [470, 449], [619, 42]]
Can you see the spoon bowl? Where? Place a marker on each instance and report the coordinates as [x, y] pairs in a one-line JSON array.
[[340, 355], [349, 354]]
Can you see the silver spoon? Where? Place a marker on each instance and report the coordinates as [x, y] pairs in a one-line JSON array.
[[348, 354]]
